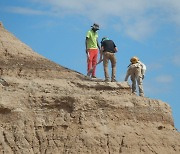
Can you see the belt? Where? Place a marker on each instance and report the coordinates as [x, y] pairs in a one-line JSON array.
[[109, 51]]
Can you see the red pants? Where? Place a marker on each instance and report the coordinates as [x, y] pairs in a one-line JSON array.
[[92, 60]]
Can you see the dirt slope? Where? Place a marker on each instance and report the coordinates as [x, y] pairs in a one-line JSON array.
[[49, 109]]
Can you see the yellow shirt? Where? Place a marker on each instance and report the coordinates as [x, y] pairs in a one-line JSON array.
[[92, 39]]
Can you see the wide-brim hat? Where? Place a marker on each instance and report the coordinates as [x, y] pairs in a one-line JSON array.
[[95, 26], [134, 59]]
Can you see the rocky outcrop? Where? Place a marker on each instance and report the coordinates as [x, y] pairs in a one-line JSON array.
[[1, 24], [46, 108]]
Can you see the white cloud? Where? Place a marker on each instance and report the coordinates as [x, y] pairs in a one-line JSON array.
[[125, 9], [151, 89], [171, 9], [138, 19], [140, 29], [164, 79], [27, 11], [176, 60], [154, 66]]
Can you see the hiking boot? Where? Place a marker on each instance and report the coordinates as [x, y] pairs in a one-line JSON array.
[[93, 76], [141, 94], [134, 92], [106, 80], [113, 80]]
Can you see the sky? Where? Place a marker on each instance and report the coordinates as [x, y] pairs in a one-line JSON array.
[[147, 29]]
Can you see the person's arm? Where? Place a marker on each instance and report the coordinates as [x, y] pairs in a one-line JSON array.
[[116, 49], [86, 43], [87, 53], [143, 69], [101, 54], [128, 73], [98, 45], [127, 76]]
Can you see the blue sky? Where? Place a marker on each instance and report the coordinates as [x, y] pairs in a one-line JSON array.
[[150, 30]]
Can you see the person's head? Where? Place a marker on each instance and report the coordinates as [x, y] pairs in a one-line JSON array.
[[134, 59], [104, 39], [95, 27]]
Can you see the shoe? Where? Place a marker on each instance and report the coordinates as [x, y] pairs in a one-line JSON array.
[[113, 80], [88, 75], [93, 76], [141, 94], [106, 80], [134, 92]]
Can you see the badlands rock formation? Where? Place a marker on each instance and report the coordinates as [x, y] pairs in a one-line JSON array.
[[48, 109]]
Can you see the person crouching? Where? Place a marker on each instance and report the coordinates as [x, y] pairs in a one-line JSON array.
[[136, 70]]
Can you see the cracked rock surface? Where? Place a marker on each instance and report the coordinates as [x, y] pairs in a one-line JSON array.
[[49, 109]]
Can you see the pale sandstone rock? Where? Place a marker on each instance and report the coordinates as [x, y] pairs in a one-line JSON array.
[[1, 24], [50, 109]]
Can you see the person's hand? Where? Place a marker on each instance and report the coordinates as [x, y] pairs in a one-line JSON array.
[[100, 60], [142, 76], [87, 53]]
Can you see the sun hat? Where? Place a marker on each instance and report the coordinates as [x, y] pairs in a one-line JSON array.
[[95, 26]]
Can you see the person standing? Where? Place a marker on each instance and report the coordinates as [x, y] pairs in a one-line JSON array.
[[136, 70], [92, 47], [108, 50]]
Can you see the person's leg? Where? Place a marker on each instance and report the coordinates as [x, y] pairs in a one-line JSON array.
[[89, 60], [113, 66], [139, 81], [94, 62], [140, 85], [133, 79], [105, 64]]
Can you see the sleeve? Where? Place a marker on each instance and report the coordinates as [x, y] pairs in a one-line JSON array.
[[88, 34], [143, 68], [102, 44], [127, 74], [114, 44]]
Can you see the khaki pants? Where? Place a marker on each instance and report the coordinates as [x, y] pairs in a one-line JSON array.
[[136, 76], [106, 57]]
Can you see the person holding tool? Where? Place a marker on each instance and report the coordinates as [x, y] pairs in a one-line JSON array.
[[92, 47], [108, 50]]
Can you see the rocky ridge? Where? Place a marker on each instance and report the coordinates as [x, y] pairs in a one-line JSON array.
[[49, 109]]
